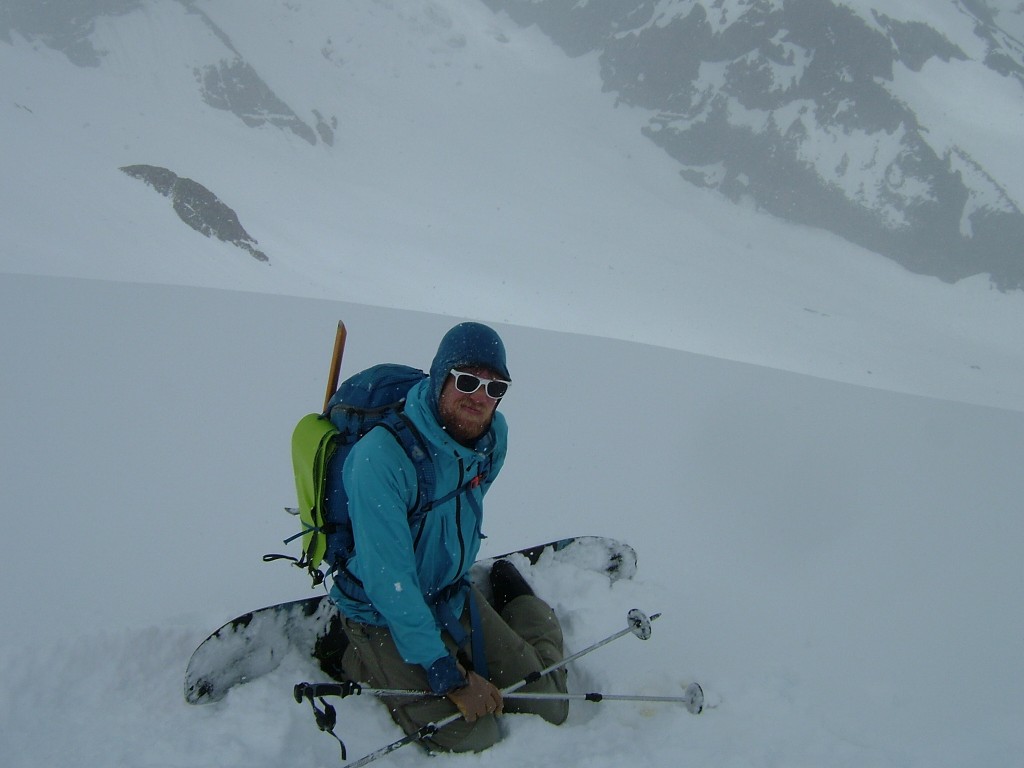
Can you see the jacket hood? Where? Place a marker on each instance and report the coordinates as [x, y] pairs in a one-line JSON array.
[[467, 344]]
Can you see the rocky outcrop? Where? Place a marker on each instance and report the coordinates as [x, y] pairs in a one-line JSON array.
[[233, 84], [64, 27], [198, 207], [230, 83]]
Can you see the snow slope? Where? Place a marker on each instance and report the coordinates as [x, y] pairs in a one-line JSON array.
[[836, 555], [837, 565]]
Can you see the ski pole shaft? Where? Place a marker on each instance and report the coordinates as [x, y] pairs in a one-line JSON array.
[[637, 624], [693, 698], [335, 372]]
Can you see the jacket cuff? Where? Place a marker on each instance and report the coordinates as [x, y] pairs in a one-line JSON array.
[[444, 676]]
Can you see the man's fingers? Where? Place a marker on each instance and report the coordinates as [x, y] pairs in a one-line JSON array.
[[477, 699]]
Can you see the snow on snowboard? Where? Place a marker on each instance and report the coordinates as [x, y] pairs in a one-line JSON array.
[[255, 643]]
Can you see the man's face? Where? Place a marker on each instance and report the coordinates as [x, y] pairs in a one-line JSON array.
[[467, 417]]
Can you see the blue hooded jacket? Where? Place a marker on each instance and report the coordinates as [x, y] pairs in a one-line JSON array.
[[404, 571]]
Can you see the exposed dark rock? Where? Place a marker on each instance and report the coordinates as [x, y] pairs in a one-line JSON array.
[[231, 84], [325, 129], [198, 207], [915, 42], [64, 26], [234, 85]]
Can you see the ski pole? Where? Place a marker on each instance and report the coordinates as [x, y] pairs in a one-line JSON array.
[[335, 372], [693, 696], [637, 623]]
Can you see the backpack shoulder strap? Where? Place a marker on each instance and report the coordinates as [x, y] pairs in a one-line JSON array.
[[415, 447]]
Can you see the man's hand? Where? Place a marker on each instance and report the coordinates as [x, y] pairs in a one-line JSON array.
[[480, 697]]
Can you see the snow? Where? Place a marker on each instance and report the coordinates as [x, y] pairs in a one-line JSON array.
[[814, 453], [970, 108]]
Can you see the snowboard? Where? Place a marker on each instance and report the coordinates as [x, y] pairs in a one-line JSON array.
[[255, 643]]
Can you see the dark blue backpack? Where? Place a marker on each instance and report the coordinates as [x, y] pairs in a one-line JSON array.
[[321, 443], [374, 397]]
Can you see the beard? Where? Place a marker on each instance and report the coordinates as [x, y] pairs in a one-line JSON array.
[[465, 426]]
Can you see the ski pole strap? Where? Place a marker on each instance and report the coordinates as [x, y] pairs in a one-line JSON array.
[[326, 719], [475, 639]]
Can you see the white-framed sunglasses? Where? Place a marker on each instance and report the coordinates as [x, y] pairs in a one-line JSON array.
[[468, 383]]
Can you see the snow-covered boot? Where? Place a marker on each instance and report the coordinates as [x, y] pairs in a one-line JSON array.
[[507, 583]]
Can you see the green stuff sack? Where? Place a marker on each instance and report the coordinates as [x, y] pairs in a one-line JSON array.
[[314, 442]]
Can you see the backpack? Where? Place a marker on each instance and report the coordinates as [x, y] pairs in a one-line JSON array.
[[321, 443]]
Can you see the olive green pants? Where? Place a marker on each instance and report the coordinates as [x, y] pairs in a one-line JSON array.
[[525, 638]]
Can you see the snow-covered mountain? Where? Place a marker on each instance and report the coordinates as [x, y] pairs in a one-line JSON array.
[[858, 116], [896, 127]]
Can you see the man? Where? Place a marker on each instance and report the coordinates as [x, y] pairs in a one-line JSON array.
[[417, 623]]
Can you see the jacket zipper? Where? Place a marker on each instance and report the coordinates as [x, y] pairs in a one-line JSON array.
[[458, 518]]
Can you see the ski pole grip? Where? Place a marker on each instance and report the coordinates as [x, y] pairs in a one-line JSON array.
[[335, 372], [319, 690]]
